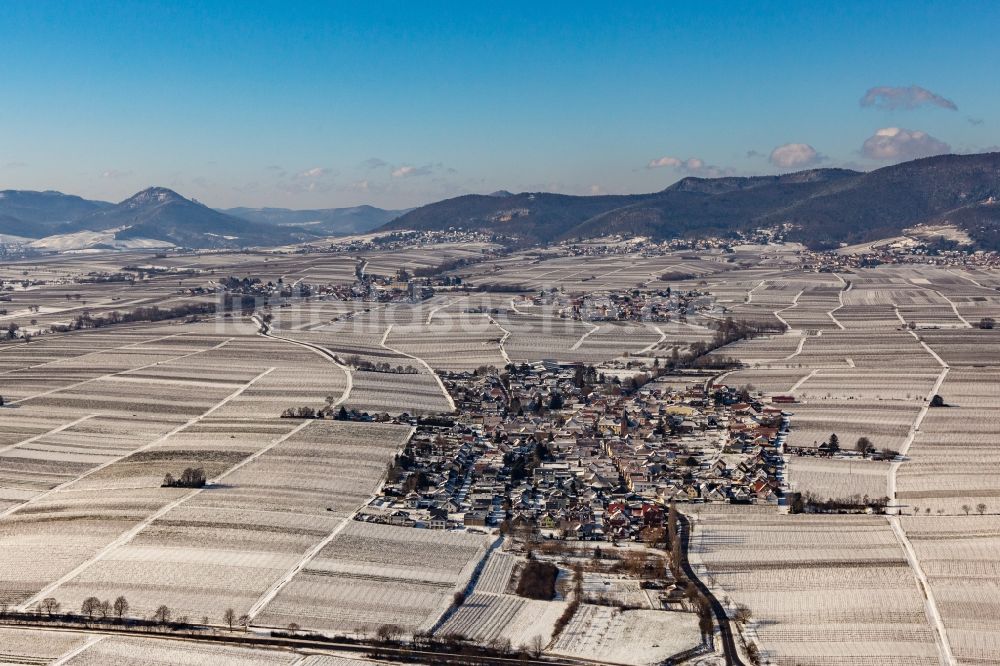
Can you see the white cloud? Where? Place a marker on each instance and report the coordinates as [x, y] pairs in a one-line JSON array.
[[115, 174], [898, 144], [315, 172], [664, 162], [409, 171], [905, 97], [794, 156], [694, 166]]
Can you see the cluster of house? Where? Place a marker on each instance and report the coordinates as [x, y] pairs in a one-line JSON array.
[[563, 450], [902, 251], [657, 305]]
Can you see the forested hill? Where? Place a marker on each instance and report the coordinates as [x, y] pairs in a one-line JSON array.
[[827, 206]]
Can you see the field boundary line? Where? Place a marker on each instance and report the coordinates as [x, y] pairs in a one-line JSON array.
[[65, 657], [503, 340], [954, 309], [433, 311], [966, 277], [648, 348], [594, 329], [124, 538], [840, 298], [930, 605], [265, 331], [795, 302], [54, 431], [122, 372], [276, 587], [144, 447], [91, 353], [802, 381], [798, 350], [422, 362]]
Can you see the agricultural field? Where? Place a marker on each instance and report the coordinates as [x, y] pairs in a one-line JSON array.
[[372, 574], [821, 589], [838, 478], [94, 419], [614, 636]]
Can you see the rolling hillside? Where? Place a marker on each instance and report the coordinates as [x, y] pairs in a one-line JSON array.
[[826, 206]]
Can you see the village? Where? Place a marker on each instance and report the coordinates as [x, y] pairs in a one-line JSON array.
[[567, 452]]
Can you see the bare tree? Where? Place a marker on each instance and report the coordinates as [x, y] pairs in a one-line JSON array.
[[388, 633], [981, 508], [90, 606], [537, 646], [966, 508], [742, 614], [104, 609], [49, 606], [162, 614], [244, 622], [229, 617], [121, 607], [293, 627]]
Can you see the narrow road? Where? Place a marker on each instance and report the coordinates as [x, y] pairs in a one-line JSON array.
[[721, 617], [265, 331]]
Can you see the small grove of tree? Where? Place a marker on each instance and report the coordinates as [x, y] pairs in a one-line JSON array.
[[573, 605], [864, 446], [987, 323], [191, 477], [538, 580], [937, 401], [389, 633], [812, 503], [152, 313], [363, 364]]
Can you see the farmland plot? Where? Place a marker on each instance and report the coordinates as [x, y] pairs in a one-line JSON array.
[[837, 478], [954, 445], [822, 589], [377, 392], [27, 646], [225, 545], [150, 651], [485, 617], [614, 636], [372, 574], [961, 558], [444, 347], [885, 423]]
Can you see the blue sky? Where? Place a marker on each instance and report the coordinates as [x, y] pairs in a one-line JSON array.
[[397, 104]]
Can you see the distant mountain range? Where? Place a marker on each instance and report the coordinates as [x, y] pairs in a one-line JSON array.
[[159, 217], [826, 206]]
